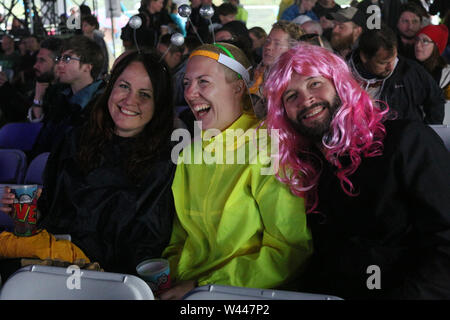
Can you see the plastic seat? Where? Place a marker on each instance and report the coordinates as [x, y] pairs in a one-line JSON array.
[[220, 292], [13, 164], [56, 283], [444, 132], [19, 135], [35, 169]]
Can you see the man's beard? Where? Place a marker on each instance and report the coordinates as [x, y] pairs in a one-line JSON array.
[[316, 132], [45, 77], [341, 43]]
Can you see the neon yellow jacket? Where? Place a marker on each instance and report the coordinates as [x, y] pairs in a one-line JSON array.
[[235, 226], [242, 14]]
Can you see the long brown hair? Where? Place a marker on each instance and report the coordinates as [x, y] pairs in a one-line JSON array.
[[151, 141]]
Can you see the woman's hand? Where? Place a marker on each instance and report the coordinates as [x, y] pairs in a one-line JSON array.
[[8, 199], [179, 290]]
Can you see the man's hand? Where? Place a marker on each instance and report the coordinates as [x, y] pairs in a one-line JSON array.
[[179, 290], [40, 89]]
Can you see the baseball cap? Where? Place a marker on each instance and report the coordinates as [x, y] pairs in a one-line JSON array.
[[349, 14]]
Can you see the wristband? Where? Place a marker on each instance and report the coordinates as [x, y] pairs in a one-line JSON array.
[[37, 102]]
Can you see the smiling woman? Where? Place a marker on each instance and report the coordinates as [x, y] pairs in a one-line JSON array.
[[108, 183], [234, 225]]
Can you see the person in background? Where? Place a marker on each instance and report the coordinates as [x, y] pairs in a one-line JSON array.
[[349, 24], [242, 13], [300, 7], [283, 36], [153, 18], [227, 12], [431, 42], [176, 19], [238, 227], [90, 28], [107, 183], [409, 23], [258, 36], [376, 190], [77, 67], [407, 88]]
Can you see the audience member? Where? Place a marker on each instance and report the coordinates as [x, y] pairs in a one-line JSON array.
[[409, 23], [300, 7], [201, 24], [107, 184], [242, 13], [322, 9], [227, 12], [172, 55], [90, 28], [282, 37], [349, 25], [376, 191], [258, 36], [15, 104], [408, 89], [78, 67], [9, 59], [176, 19], [153, 17], [431, 42], [239, 226]]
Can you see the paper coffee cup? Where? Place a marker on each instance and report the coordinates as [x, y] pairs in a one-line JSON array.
[[24, 211], [156, 272]]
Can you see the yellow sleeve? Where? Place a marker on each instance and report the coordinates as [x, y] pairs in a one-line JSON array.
[[286, 241], [173, 251]]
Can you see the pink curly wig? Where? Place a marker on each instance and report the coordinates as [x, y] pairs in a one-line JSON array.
[[355, 131]]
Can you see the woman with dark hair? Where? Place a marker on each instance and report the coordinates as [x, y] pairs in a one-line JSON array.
[[429, 46], [108, 183]]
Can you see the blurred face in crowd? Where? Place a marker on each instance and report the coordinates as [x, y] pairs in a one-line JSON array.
[[344, 35], [87, 28], [155, 6], [131, 103], [31, 44], [276, 44], [223, 35], [7, 44], [408, 24], [212, 98], [310, 104], [423, 47], [256, 42], [44, 67], [307, 5], [382, 63], [70, 70], [227, 18], [171, 58]]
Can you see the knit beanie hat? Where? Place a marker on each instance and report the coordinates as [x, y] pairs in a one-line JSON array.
[[439, 35]]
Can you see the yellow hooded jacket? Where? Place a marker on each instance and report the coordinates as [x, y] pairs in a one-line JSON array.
[[235, 225]]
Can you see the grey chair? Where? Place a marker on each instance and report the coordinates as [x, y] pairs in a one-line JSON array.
[[57, 283]]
